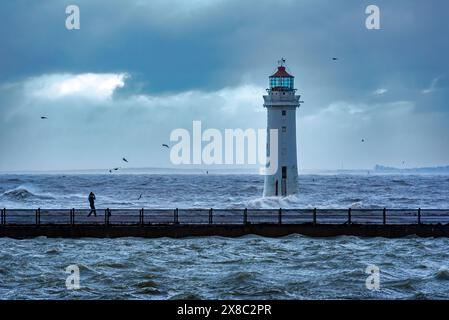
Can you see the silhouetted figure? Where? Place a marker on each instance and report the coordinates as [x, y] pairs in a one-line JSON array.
[[92, 205]]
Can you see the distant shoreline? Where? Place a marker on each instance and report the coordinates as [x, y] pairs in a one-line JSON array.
[[423, 170]]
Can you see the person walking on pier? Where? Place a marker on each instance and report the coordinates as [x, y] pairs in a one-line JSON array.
[[92, 204]]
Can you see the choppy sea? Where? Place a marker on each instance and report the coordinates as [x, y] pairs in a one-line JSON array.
[[293, 267]]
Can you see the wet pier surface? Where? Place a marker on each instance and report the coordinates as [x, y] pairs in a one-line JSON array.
[[223, 222]]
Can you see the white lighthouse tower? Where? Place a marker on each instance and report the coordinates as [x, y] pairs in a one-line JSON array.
[[281, 103]]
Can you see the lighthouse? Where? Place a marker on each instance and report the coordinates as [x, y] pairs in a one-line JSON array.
[[281, 103]]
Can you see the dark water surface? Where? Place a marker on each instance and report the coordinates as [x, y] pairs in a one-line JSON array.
[[251, 267], [293, 267]]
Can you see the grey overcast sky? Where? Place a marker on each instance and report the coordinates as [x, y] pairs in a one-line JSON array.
[[138, 69]]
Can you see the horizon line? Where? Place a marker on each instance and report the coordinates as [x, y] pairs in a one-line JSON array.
[[384, 169]]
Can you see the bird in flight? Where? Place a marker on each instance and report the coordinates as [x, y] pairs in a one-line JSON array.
[[334, 59], [140, 197], [363, 140], [165, 145], [115, 169], [43, 118], [124, 159]]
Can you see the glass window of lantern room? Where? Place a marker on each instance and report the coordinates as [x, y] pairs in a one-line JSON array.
[[285, 82], [276, 82]]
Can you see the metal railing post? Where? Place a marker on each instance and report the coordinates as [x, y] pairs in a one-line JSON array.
[[280, 216], [210, 215], [349, 216], [3, 216], [419, 216], [176, 216], [107, 214], [142, 221], [245, 216], [314, 216], [384, 216], [38, 216]]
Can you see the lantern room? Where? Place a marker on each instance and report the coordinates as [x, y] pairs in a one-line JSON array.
[[282, 80]]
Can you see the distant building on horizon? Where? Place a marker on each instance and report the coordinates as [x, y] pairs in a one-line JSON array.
[[281, 103]]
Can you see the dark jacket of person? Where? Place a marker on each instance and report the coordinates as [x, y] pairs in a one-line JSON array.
[[92, 200]]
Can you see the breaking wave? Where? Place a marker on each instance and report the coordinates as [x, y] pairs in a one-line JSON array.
[[24, 193], [288, 202], [442, 274]]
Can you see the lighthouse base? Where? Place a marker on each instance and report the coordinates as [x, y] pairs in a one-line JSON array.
[[281, 184]]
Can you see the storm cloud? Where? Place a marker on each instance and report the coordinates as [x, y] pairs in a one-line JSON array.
[[138, 69]]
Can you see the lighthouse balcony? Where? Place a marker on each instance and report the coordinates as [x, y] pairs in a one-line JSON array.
[[281, 100], [282, 95]]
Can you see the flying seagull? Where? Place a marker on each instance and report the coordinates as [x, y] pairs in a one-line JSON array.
[[115, 169], [124, 159], [165, 145], [334, 59], [43, 118], [363, 140], [140, 197]]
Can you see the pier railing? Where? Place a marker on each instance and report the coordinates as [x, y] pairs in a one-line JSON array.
[[146, 217]]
